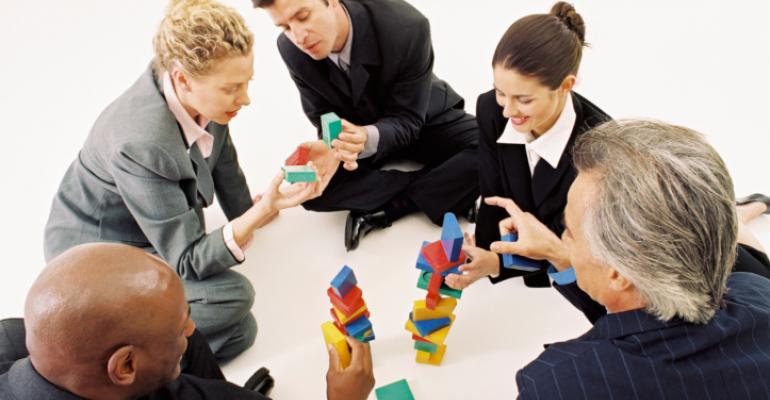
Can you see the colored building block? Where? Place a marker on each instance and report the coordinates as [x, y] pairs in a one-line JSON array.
[[425, 346], [512, 261], [335, 338], [344, 319], [398, 390], [437, 337], [418, 338], [443, 309], [422, 263], [424, 279], [434, 254], [454, 270], [434, 284], [331, 126], [359, 327], [299, 157], [425, 357], [344, 281], [348, 304], [298, 173], [451, 237], [428, 326]]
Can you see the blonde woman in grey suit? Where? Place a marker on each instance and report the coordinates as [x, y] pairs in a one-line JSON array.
[[160, 152]]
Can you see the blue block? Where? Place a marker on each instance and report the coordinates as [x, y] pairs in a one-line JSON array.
[[451, 237], [358, 327], [422, 263], [344, 281], [512, 261], [455, 270], [428, 326]]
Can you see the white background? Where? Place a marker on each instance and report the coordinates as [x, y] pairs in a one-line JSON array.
[[702, 64]]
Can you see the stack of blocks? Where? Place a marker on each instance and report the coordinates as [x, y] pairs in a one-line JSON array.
[[295, 168], [430, 319], [349, 313]]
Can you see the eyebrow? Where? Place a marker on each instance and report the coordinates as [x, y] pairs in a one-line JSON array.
[[516, 95], [293, 15]]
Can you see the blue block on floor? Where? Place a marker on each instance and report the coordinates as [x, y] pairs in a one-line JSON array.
[[451, 237], [422, 263], [358, 327], [512, 261], [344, 281], [428, 326]]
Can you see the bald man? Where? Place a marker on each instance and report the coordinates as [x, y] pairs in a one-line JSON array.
[[110, 321]]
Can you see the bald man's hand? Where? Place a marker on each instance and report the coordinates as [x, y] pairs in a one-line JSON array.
[[354, 382]]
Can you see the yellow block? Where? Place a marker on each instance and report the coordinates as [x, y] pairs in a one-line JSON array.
[[423, 357], [333, 336], [344, 320], [437, 337], [443, 310]]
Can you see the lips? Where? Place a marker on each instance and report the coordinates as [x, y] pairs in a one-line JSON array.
[[231, 114], [519, 120], [312, 46]]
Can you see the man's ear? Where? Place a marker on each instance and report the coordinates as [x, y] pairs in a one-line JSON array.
[[121, 367], [618, 282]]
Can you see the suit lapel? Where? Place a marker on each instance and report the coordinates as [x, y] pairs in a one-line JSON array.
[[516, 169], [365, 50], [546, 177], [203, 176], [338, 78]]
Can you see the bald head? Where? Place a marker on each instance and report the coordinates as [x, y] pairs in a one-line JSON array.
[[96, 298]]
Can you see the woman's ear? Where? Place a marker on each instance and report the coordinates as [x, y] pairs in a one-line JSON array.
[[568, 83], [121, 366], [180, 79]]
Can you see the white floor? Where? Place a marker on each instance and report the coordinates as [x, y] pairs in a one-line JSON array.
[[703, 64]]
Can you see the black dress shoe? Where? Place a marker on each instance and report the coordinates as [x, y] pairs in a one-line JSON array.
[[260, 382], [358, 225], [755, 198]]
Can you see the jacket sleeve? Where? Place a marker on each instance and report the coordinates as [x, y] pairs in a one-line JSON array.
[[147, 179], [229, 182]]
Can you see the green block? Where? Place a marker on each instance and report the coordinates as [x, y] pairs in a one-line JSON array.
[[331, 126], [298, 173], [398, 390], [422, 346], [445, 290]]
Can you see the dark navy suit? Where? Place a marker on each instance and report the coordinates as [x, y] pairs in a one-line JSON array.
[[633, 355]]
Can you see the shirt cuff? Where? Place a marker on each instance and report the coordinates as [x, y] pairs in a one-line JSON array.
[[235, 250], [373, 139], [562, 278]]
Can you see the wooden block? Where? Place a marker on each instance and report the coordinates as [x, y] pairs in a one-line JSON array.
[[424, 279], [398, 390], [298, 173], [344, 319], [344, 281], [425, 357], [451, 237], [428, 326], [437, 337], [335, 338], [443, 309], [435, 256], [359, 326], [432, 300], [418, 338], [331, 126], [425, 346], [422, 263], [348, 304], [299, 157], [512, 261], [434, 284]]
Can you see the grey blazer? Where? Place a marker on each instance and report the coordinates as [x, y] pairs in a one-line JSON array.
[[135, 182]]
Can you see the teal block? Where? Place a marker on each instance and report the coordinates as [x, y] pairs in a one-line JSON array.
[[298, 173], [398, 390], [445, 290], [423, 346], [331, 126]]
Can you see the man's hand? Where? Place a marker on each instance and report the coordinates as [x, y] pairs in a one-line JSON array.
[[482, 263], [324, 159], [354, 382], [535, 240], [350, 144]]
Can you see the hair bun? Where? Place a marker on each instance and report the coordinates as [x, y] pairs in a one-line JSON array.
[[566, 13]]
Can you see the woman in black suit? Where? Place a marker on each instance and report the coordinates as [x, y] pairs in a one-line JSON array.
[[528, 125]]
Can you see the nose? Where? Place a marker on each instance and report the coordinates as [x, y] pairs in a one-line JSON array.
[[510, 108], [243, 98], [300, 34]]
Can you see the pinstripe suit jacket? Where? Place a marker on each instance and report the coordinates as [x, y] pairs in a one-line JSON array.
[[633, 355]]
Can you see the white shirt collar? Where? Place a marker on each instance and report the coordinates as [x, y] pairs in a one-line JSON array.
[[551, 144], [344, 54]]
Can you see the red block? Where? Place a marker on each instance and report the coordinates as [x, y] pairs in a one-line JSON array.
[[299, 157], [435, 256], [341, 327], [348, 304], [420, 338], [434, 284], [432, 300]]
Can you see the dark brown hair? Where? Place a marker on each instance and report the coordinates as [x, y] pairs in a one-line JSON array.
[[544, 46]]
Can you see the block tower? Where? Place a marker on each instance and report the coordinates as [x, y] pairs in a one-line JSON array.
[[431, 318], [349, 313]]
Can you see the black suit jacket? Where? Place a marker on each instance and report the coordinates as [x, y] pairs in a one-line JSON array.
[[391, 83], [504, 171]]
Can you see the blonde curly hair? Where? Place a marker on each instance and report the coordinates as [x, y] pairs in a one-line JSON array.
[[198, 33]]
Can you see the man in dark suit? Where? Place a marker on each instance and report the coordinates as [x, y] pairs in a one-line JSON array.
[[371, 62], [650, 234], [110, 321]]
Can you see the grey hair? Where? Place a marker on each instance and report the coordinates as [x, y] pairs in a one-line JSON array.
[[663, 215]]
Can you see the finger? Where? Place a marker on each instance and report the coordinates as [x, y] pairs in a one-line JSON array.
[[348, 146], [350, 165], [458, 282], [357, 352], [352, 137], [503, 202], [507, 248], [277, 180], [345, 155], [469, 239], [334, 359]]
